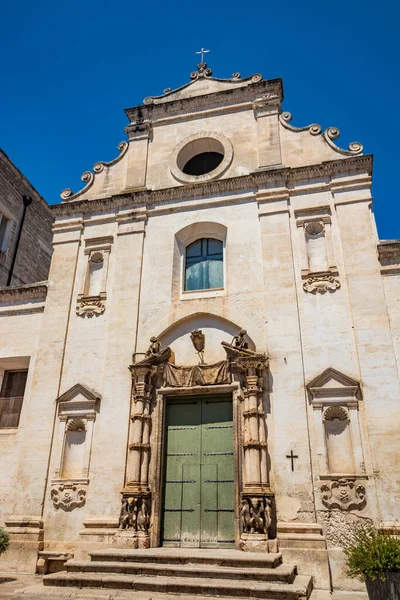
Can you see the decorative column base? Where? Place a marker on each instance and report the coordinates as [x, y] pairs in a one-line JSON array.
[[256, 521], [258, 542], [134, 520]]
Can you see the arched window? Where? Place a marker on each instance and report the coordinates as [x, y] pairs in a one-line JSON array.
[[204, 265]]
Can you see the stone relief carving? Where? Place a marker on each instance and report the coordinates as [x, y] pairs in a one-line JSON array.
[[89, 306], [198, 340], [68, 495], [255, 515], [135, 514], [321, 283], [336, 412], [343, 494]]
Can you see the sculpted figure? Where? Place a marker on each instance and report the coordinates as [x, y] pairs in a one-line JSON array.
[[245, 514], [257, 520], [143, 516], [267, 515], [239, 341], [154, 348], [127, 518]]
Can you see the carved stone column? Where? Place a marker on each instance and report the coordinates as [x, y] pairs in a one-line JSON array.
[[136, 497], [255, 496]]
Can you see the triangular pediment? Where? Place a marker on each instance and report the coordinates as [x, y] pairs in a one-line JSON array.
[[333, 379], [79, 391], [203, 85]]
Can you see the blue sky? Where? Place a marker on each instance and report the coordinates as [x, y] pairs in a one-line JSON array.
[[68, 69]]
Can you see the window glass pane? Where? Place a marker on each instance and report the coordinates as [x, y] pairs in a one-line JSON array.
[[204, 265], [10, 410], [14, 383], [214, 247], [193, 276], [3, 226], [215, 274], [194, 249]]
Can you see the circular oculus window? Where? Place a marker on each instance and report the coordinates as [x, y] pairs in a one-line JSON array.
[[201, 157]]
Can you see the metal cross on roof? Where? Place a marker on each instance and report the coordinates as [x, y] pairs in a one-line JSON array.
[[202, 52]]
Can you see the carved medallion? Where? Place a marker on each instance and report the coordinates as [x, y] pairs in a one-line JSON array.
[[68, 495], [88, 306], [321, 284], [343, 494]]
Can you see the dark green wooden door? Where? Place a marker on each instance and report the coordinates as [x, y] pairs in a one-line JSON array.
[[199, 481]]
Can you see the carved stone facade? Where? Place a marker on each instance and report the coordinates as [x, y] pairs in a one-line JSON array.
[[259, 285]]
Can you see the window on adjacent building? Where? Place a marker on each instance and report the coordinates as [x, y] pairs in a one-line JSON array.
[[3, 233], [11, 397], [204, 268]]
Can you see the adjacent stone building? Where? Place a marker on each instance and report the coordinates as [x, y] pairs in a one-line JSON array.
[[214, 362], [25, 229]]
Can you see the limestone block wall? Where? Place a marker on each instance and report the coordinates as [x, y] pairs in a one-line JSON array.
[[34, 252], [18, 350]]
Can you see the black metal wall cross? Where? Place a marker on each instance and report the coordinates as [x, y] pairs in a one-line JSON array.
[[292, 457]]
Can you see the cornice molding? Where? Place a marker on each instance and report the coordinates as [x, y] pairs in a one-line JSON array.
[[285, 176], [247, 91], [34, 291], [389, 249]]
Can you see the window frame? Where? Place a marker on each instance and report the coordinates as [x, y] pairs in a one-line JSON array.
[[203, 259], [3, 397], [7, 231], [207, 291]]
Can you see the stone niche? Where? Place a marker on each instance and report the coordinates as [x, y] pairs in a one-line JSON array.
[[77, 410], [335, 400]]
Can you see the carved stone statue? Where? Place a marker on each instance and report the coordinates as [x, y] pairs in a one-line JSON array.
[[128, 517], [239, 341], [143, 516], [245, 515], [256, 515], [154, 348]]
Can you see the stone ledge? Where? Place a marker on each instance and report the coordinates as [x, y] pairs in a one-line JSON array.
[[32, 291]]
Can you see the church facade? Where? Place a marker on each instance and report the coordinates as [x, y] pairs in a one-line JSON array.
[[213, 362]]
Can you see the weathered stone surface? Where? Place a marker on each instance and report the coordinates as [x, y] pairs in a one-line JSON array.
[[315, 390]]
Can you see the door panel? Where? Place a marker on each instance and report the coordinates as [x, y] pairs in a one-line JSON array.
[[199, 475]]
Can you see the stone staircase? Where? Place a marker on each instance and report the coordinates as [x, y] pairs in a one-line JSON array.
[[189, 572]]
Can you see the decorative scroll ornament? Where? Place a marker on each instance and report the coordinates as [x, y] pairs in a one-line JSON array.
[[330, 134], [68, 495], [135, 514], [343, 494], [88, 177], [321, 283], [88, 306], [255, 514]]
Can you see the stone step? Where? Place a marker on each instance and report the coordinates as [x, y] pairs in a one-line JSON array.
[[192, 556], [284, 573], [300, 589]]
